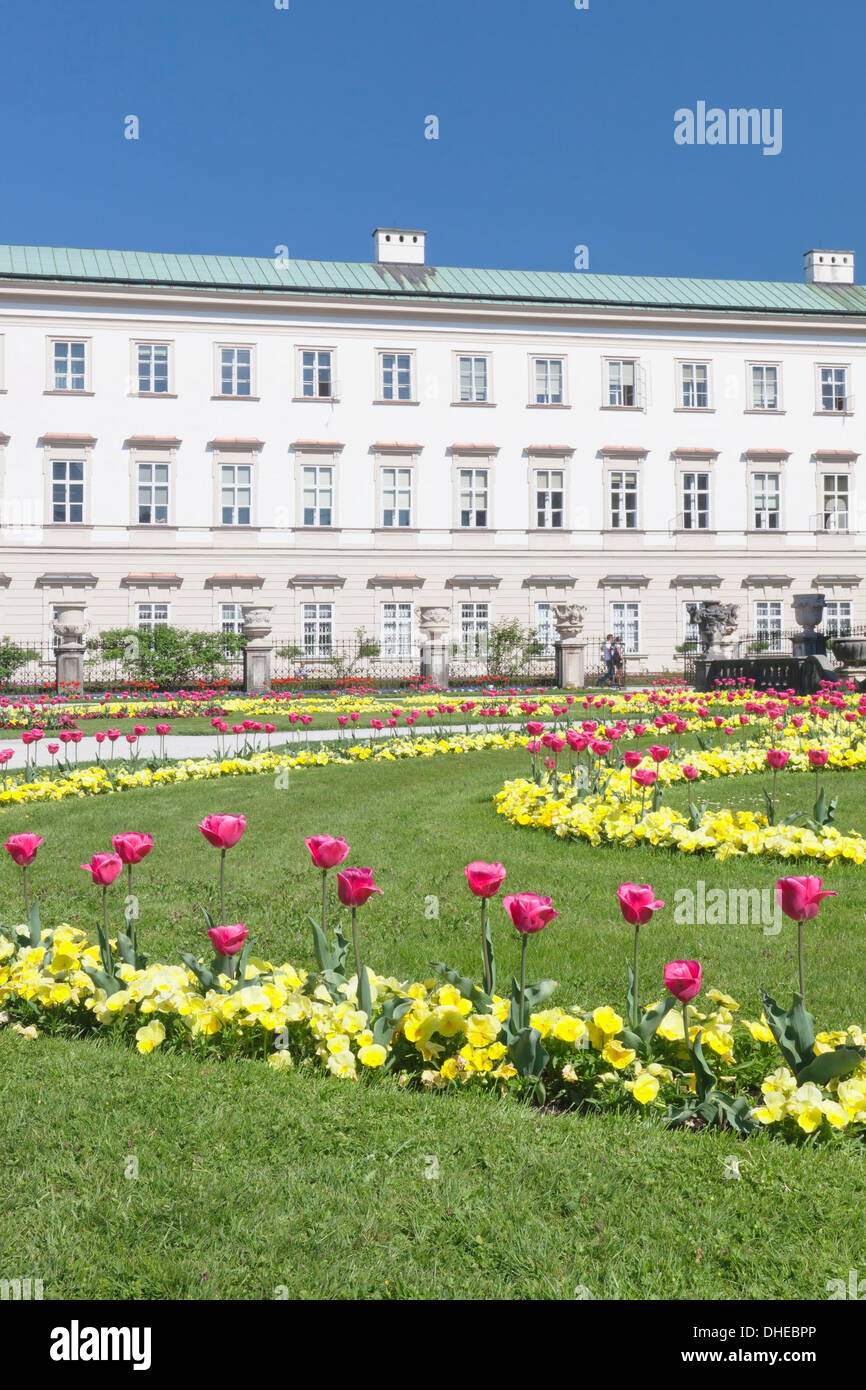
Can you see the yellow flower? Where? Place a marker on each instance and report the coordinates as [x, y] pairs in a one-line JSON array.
[[150, 1036], [373, 1055], [481, 1029], [281, 1060], [617, 1055], [448, 1021], [645, 1089], [29, 1032]]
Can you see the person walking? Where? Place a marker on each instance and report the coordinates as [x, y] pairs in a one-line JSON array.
[[607, 657], [618, 664]]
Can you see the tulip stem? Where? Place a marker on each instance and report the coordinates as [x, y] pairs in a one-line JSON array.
[[130, 914], [222, 887], [324, 902], [523, 946], [635, 1003], [686, 1025], [355, 944], [26, 900], [488, 983], [105, 915], [800, 961]]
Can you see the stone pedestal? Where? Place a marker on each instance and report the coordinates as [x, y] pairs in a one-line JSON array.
[[570, 664], [435, 649], [259, 651], [809, 610], [70, 623]]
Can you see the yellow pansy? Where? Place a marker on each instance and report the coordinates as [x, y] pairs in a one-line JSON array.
[[150, 1036]]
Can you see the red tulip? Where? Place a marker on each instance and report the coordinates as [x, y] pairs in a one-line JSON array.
[[529, 912], [326, 850], [777, 758], [355, 886], [163, 729], [818, 756], [632, 758], [658, 752], [690, 772], [637, 903], [223, 831], [484, 880], [645, 777], [228, 941], [104, 868], [800, 898], [683, 979], [132, 846], [23, 848], [534, 727]]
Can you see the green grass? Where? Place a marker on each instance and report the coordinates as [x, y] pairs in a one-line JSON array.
[[250, 1180]]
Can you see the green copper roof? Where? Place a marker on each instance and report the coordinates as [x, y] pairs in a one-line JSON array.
[[248, 273]]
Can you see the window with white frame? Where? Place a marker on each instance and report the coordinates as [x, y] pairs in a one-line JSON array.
[[766, 501], [764, 386], [834, 389], [621, 382], [67, 491], [768, 624], [231, 618], [318, 629], [625, 625], [395, 376], [836, 498], [691, 631], [473, 497], [545, 627], [152, 494], [150, 615], [549, 498], [548, 375], [236, 494], [151, 363], [472, 379], [235, 371], [317, 377], [837, 618], [623, 500], [317, 495], [396, 496], [694, 385], [68, 365], [474, 629], [696, 501], [396, 629]]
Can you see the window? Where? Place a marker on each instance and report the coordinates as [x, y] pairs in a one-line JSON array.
[[150, 615], [236, 490], [695, 385], [768, 624], [548, 374], [395, 376], [623, 500], [231, 618], [691, 631], [472, 379], [235, 371], [473, 496], [835, 498], [317, 381], [474, 629], [621, 377], [67, 492], [764, 386], [317, 495], [837, 618], [396, 496], [69, 365], [625, 625], [152, 494], [696, 501], [549, 493], [318, 621], [396, 629], [545, 627], [834, 389], [766, 496], [152, 368]]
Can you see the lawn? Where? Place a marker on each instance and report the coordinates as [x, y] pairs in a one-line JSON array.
[[251, 1180]]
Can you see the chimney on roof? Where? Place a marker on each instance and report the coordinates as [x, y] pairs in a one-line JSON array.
[[829, 267], [396, 244]]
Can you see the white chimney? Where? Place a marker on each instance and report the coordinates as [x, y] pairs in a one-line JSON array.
[[829, 267], [396, 244]]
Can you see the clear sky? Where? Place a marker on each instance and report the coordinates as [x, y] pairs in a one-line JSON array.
[[305, 127]]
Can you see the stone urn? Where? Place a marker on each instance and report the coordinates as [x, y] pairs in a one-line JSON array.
[[258, 650], [257, 622], [569, 620], [70, 623], [851, 651], [809, 610], [434, 623]]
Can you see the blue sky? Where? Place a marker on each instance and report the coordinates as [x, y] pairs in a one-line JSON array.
[[305, 127]]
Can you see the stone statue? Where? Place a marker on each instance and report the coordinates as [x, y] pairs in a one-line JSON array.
[[434, 622], [569, 620], [716, 622]]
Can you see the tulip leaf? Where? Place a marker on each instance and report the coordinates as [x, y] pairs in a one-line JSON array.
[[109, 983], [491, 959], [793, 1030], [209, 921], [205, 977], [481, 1002], [705, 1080], [823, 1068], [324, 954], [392, 1011], [126, 951], [528, 1054], [240, 976], [33, 925], [340, 953], [649, 1025], [364, 1000]]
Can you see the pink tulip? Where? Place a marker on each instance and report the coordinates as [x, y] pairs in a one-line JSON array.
[[228, 941], [658, 752], [223, 831], [534, 727], [104, 868], [23, 848], [818, 756], [800, 898], [355, 886], [645, 777], [484, 880], [777, 758], [637, 903], [53, 748], [529, 912], [163, 729], [683, 979], [690, 772], [326, 850], [6, 754], [139, 728], [600, 747], [132, 846], [632, 758], [113, 735]]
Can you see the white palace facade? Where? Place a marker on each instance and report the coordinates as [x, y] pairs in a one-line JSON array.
[[183, 435]]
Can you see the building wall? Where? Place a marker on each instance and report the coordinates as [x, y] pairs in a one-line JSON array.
[[655, 565]]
